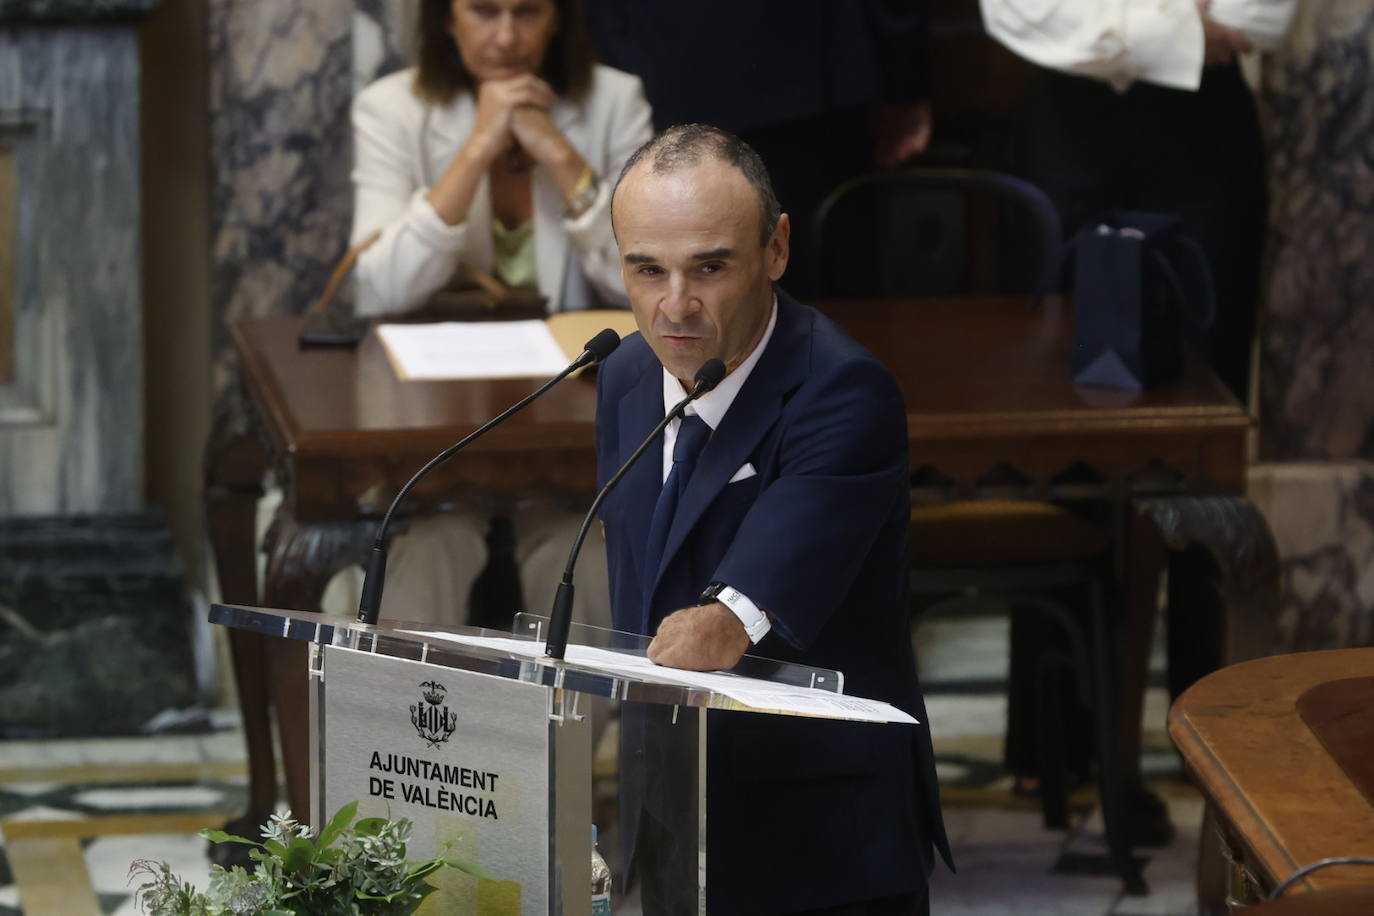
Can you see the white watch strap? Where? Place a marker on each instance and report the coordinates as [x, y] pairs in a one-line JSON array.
[[756, 622]]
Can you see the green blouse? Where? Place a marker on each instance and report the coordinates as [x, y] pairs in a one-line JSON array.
[[513, 254]]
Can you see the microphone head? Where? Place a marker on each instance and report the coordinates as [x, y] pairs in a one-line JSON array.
[[602, 345], [708, 376]]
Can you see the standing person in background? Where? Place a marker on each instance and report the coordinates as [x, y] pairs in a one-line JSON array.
[[824, 91], [1143, 106], [492, 155]]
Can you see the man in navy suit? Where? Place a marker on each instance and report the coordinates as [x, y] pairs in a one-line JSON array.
[[788, 539]]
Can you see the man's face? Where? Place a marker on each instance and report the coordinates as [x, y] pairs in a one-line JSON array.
[[699, 281]]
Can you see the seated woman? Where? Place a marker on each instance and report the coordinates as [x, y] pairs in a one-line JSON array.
[[494, 154], [497, 153]]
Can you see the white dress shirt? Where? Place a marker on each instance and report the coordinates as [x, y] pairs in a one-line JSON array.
[[712, 407], [1122, 41]]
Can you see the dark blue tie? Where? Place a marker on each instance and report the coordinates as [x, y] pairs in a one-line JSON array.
[[692, 434]]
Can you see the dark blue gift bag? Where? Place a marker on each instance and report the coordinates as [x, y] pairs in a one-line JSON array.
[[1137, 279]]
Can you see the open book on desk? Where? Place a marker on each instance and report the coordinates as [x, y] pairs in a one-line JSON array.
[[531, 348]]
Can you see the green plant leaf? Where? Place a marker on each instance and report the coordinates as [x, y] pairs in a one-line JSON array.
[[341, 819], [219, 836], [275, 848], [298, 855], [472, 868], [421, 869], [370, 826]]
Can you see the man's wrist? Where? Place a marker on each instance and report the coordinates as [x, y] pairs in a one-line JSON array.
[[754, 619]]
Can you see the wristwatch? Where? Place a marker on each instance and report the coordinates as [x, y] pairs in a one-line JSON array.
[[756, 622]]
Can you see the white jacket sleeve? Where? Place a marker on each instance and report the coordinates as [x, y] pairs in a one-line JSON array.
[[1264, 22], [592, 240], [1117, 41], [417, 252]]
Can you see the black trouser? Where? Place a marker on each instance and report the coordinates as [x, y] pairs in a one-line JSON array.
[[807, 159], [917, 904], [1199, 154]]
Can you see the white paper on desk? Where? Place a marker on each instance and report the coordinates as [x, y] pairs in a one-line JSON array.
[[760, 695], [472, 349]]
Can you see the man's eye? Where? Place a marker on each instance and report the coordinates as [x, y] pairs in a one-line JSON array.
[[712, 267], [649, 270]]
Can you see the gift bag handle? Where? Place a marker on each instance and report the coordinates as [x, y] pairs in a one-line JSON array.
[[1209, 297]]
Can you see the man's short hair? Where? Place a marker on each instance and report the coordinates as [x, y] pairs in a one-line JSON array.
[[688, 145]]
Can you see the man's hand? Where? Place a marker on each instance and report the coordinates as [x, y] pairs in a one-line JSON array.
[[900, 132], [704, 638], [1220, 44]]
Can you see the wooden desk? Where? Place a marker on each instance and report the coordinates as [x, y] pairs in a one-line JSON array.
[[990, 409], [1281, 800]]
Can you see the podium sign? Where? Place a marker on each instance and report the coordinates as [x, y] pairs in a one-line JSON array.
[[468, 758], [484, 745]]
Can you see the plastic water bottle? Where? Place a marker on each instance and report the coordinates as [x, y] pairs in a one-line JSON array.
[[601, 881]]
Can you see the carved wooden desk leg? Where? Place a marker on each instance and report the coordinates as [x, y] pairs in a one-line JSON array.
[[302, 560], [234, 465], [1239, 541], [1247, 559]]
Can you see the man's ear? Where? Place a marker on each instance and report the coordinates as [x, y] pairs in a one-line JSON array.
[[779, 248]]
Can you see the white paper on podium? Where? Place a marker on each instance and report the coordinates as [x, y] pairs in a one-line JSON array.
[[758, 695], [472, 350]]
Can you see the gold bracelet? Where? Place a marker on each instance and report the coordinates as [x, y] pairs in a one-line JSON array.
[[583, 194]]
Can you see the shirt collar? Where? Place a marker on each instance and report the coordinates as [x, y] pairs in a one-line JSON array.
[[712, 405]]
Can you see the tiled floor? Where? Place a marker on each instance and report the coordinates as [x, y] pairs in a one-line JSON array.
[[75, 813]]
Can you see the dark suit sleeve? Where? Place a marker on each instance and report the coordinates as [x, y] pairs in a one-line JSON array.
[[901, 41], [841, 486]]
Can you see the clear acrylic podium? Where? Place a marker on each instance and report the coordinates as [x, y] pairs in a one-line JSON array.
[[485, 745]]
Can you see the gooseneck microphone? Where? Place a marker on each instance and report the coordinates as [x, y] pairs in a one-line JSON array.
[[369, 606], [560, 618]]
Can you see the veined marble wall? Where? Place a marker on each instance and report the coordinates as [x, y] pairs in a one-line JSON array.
[[1317, 345], [1317, 388], [282, 77], [71, 381]]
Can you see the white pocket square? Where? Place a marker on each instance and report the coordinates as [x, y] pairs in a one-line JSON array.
[[744, 473]]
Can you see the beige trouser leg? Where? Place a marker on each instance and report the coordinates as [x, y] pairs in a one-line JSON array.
[[543, 537], [429, 572]]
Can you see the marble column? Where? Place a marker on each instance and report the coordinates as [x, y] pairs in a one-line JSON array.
[[71, 377], [1316, 484], [282, 77], [93, 611]]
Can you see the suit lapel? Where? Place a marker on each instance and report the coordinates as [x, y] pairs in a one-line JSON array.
[[638, 411], [754, 412]]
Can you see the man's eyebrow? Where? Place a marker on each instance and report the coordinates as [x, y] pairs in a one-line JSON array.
[[715, 254], [634, 258]]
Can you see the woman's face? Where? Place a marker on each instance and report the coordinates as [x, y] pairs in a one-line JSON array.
[[498, 39]]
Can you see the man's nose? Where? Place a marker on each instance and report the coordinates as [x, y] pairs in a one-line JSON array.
[[678, 304]]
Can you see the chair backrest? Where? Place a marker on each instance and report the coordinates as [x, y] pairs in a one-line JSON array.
[[935, 232]]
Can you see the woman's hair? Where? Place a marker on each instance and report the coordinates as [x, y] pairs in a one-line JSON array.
[[441, 74]]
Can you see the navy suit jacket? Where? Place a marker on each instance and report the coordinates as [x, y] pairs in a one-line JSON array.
[[802, 813]]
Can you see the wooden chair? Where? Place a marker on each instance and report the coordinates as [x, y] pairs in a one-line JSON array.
[[918, 232], [935, 232]]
